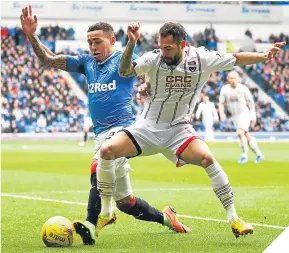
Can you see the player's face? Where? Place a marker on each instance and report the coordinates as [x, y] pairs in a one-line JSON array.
[[205, 99], [172, 52], [233, 80], [100, 44]]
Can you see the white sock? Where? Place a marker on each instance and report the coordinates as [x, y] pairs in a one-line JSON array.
[[244, 146], [222, 189], [105, 183], [231, 213], [254, 146]]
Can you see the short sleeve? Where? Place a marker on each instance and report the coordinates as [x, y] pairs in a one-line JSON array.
[[75, 64], [216, 61], [222, 98], [144, 63]]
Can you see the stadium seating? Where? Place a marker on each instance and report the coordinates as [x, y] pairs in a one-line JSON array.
[[35, 99], [273, 77]]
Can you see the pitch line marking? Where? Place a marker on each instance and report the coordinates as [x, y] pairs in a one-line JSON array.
[[280, 244], [85, 204], [158, 189]]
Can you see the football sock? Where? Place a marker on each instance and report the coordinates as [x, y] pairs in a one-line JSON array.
[[85, 137], [222, 189], [244, 146], [254, 146], [141, 210], [105, 183], [94, 201]]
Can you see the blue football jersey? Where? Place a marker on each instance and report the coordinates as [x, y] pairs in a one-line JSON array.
[[109, 95]]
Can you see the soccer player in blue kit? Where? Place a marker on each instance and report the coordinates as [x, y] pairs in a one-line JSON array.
[[109, 101]]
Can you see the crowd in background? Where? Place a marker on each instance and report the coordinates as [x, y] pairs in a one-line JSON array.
[[273, 77], [35, 99]]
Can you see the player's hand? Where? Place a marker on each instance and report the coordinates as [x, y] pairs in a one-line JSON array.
[[253, 122], [274, 50], [144, 90], [223, 117], [133, 32], [28, 23]]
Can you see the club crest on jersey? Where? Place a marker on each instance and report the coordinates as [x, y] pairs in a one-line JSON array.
[[97, 87], [192, 66]]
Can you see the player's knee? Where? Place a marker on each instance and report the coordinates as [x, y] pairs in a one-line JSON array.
[[240, 133], [126, 203], [207, 160], [106, 152]]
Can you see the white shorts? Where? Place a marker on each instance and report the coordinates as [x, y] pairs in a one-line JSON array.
[[169, 142], [242, 121], [87, 123], [122, 187], [208, 124]]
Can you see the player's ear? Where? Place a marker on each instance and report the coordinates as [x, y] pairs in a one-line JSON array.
[[183, 44], [112, 40]]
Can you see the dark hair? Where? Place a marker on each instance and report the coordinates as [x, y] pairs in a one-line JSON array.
[[107, 28], [175, 29]]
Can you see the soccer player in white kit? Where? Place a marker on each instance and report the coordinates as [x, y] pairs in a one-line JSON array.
[[237, 98], [87, 124], [209, 115], [177, 72]]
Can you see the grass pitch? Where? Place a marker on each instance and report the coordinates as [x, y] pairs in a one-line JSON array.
[[45, 179]]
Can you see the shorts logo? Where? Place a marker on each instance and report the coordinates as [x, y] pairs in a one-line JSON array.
[[96, 87]]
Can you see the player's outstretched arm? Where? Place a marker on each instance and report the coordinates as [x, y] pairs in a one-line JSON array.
[[222, 111], [126, 67], [248, 58], [47, 59], [29, 26]]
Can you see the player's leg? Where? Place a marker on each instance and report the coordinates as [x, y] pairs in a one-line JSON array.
[[86, 229], [119, 146], [86, 128], [128, 203], [131, 142], [209, 131], [254, 147], [243, 144], [197, 152]]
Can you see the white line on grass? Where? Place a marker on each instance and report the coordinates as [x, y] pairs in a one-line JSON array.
[[280, 244], [84, 204], [159, 189]]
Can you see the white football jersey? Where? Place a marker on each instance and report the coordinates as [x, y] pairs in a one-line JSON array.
[[208, 111], [176, 89], [236, 98]]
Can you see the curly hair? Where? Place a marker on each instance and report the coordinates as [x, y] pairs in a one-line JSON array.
[[175, 29]]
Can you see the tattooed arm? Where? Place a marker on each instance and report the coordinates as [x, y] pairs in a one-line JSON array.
[[126, 67], [47, 58], [29, 25]]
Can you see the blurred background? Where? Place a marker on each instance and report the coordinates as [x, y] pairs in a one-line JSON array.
[[35, 99]]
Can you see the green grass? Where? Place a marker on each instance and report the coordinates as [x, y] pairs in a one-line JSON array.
[[60, 171]]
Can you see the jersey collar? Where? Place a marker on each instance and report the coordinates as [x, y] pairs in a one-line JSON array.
[[100, 63]]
